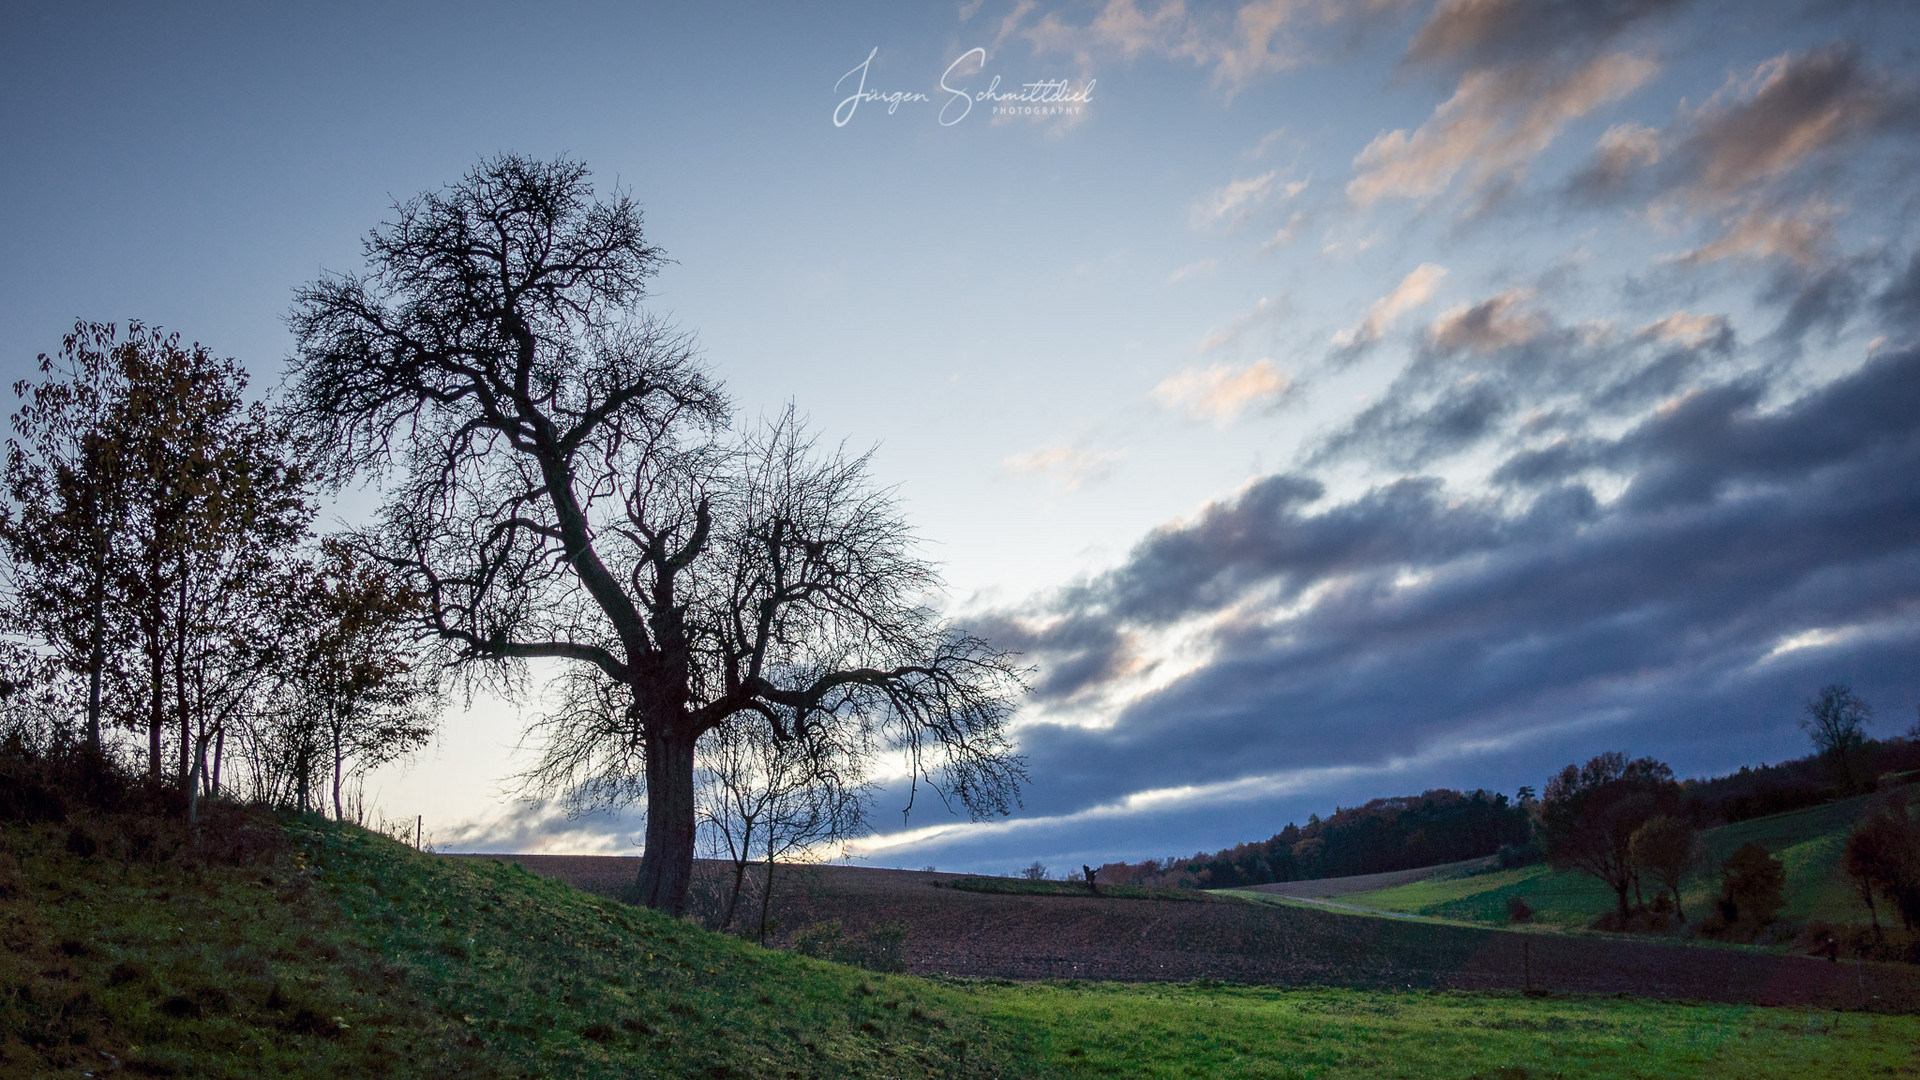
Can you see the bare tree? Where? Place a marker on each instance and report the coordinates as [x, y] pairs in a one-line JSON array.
[[1836, 721], [562, 488], [775, 800]]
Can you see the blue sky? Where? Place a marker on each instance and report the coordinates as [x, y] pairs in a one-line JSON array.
[[1346, 399]]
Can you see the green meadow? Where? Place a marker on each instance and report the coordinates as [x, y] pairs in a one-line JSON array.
[[1807, 842], [346, 954]]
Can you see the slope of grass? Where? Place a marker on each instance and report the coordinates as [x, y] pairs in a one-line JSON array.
[[1807, 842], [345, 954], [340, 953], [148, 955], [1196, 1030]]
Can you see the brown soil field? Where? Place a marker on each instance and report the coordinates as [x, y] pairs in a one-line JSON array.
[[965, 933]]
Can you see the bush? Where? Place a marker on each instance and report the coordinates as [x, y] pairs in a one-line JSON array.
[[1883, 858], [1751, 887], [882, 948], [1512, 855], [819, 940], [1518, 910]]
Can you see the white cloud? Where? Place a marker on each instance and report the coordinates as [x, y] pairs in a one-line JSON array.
[[1220, 392], [1192, 270], [1494, 125], [1233, 203], [1414, 289], [1804, 238], [1264, 310], [1686, 328], [1285, 234], [1255, 39], [1069, 467], [1498, 322]]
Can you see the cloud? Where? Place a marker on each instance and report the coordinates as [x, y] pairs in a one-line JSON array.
[[1689, 329], [1285, 234], [1238, 44], [1623, 154], [1804, 237], [1497, 121], [1499, 322], [1200, 268], [1232, 204], [1899, 302], [1414, 289], [533, 828], [1354, 633], [1491, 33], [1740, 153], [1220, 393], [1789, 110], [1069, 467], [1265, 310], [1506, 371]]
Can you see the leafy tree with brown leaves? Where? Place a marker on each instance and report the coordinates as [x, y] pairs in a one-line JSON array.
[[1882, 857], [1665, 848], [1589, 813], [148, 502], [356, 693]]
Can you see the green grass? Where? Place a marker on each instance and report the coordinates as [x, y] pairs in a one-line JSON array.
[[179, 966], [1155, 1031], [345, 954], [1807, 842]]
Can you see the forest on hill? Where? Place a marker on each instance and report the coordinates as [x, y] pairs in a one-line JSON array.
[[1442, 825]]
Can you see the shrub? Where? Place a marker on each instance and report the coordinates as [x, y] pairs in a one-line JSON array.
[[1512, 855], [820, 940], [879, 949], [1883, 858], [1751, 887], [1518, 910]]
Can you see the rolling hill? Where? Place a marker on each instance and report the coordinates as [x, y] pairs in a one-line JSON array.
[[296, 947], [1807, 842]]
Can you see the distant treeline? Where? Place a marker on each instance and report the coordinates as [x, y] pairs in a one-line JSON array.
[[1791, 785], [1410, 831], [1398, 833]]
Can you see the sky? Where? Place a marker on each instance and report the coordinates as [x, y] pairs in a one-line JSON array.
[[1329, 400]]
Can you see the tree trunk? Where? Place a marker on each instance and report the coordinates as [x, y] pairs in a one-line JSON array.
[[739, 876], [1620, 897], [187, 764], [339, 814], [666, 864], [157, 697], [766, 893], [96, 655]]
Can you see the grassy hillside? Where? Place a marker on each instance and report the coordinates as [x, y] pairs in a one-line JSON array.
[[1807, 842], [327, 951]]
